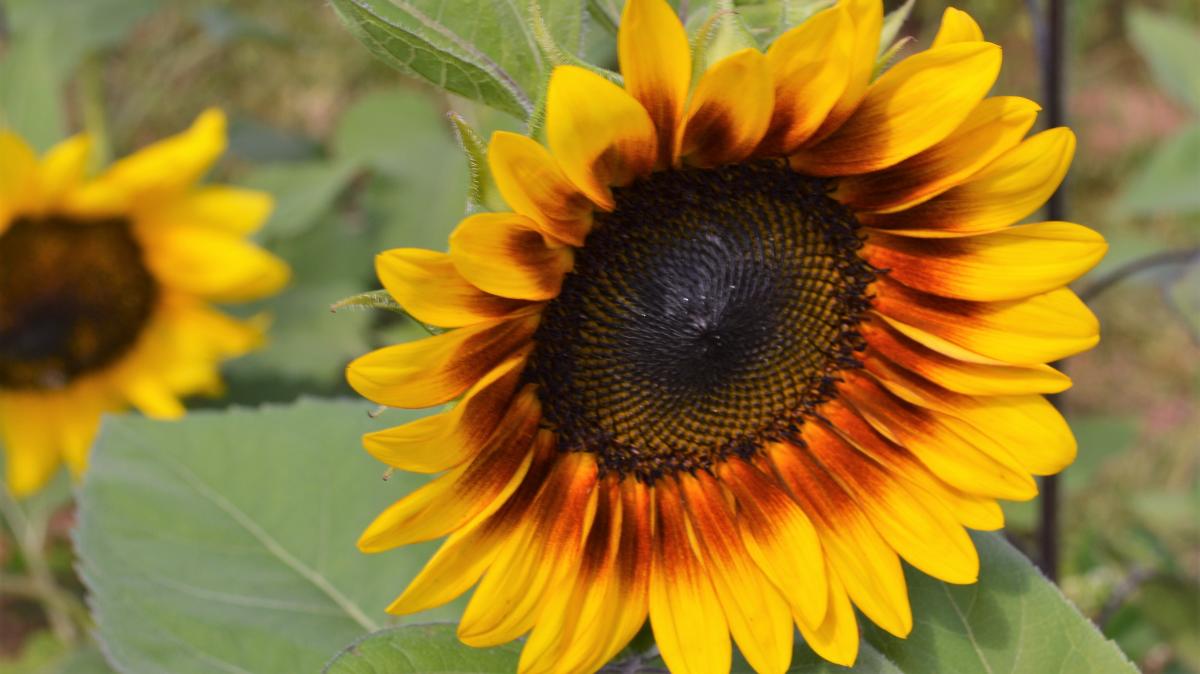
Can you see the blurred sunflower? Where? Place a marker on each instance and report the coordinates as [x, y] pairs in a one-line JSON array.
[[105, 285], [740, 348]]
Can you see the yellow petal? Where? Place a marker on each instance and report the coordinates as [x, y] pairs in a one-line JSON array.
[[474, 490], [937, 440], [505, 254], [957, 375], [656, 62], [920, 529], [454, 568], [435, 370], [836, 639], [1030, 331], [600, 135], [230, 209], [18, 166], [687, 618], [168, 166], [759, 618], [78, 426], [152, 395], [780, 538], [468, 552], [537, 559], [976, 512], [63, 168], [809, 66], [428, 285], [213, 264], [442, 441], [730, 110], [533, 185], [957, 26], [915, 104], [1008, 264], [1010, 188], [867, 20], [995, 126], [32, 448], [866, 564], [1025, 427], [572, 629]]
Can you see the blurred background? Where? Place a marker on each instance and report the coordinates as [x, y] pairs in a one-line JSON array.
[[362, 160]]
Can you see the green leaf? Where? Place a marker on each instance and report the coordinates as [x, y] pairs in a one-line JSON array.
[[483, 50], [226, 541], [1013, 621], [304, 191], [892, 23], [392, 130], [421, 649], [1169, 45], [1166, 182]]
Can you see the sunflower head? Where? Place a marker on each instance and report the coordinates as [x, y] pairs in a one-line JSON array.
[[105, 284], [744, 342]]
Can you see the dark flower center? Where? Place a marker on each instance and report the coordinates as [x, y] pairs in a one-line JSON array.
[[707, 314], [74, 296]]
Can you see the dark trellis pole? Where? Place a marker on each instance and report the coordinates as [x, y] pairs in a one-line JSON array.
[[1051, 35]]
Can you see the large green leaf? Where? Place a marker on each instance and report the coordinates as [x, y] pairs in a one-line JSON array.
[[421, 649], [1169, 46], [481, 49], [225, 541], [1013, 621]]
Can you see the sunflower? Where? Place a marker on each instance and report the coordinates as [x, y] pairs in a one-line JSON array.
[[105, 286], [743, 344]]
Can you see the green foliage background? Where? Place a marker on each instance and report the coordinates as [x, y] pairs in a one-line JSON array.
[[227, 540]]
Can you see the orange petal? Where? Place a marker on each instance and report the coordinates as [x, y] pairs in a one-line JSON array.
[[533, 185], [600, 135], [442, 441], [434, 370], [915, 104], [428, 285], [780, 538], [538, 558], [505, 254], [867, 20], [656, 62], [1009, 264], [1010, 188], [474, 490], [809, 66], [865, 562], [759, 618], [958, 375], [1029, 331], [729, 111], [686, 615], [995, 126]]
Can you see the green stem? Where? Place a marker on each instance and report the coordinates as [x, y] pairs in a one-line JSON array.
[[29, 533], [95, 116]]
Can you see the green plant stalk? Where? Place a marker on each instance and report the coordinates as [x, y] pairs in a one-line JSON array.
[[95, 116], [29, 533]]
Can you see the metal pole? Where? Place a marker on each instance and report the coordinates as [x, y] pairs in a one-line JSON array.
[[1053, 35]]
